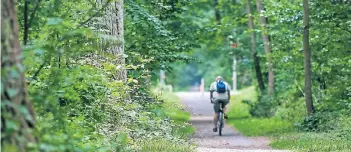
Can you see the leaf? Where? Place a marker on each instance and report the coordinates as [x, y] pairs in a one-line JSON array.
[[54, 21]]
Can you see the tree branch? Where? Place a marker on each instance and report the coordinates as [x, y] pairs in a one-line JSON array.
[[33, 13], [37, 72]]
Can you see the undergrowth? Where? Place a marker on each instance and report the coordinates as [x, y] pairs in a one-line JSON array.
[[283, 133]]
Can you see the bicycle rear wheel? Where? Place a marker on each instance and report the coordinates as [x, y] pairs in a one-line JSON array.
[[220, 123]]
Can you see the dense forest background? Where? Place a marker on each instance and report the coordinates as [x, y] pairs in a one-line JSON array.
[[276, 41], [79, 75]]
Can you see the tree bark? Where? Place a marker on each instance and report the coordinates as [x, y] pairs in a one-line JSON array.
[[267, 49], [217, 13], [307, 55], [17, 112], [113, 19], [253, 48]]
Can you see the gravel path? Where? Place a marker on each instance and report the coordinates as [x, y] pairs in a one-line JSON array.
[[207, 140]]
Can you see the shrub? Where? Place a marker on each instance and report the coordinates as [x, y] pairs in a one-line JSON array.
[[265, 106]]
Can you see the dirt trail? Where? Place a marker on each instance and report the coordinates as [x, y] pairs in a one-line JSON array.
[[208, 141]]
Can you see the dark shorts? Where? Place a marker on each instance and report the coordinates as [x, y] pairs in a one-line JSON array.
[[216, 105]]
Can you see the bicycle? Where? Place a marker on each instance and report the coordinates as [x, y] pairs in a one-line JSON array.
[[220, 124]]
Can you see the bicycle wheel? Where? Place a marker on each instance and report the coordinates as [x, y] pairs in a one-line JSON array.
[[220, 123]]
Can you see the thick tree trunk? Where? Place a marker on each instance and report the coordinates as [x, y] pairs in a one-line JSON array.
[[217, 13], [116, 25], [307, 54], [267, 48], [113, 19], [17, 115], [253, 48]]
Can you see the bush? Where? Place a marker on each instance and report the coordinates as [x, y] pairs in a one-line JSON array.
[[86, 110], [320, 121], [239, 116], [293, 111], [265, 106]]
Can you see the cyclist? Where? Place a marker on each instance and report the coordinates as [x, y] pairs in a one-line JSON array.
[[219, 92]]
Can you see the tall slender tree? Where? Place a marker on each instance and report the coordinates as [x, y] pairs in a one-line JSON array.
[[17, 114], [266, 46], [307, 55], [256, 59], [217, 13]]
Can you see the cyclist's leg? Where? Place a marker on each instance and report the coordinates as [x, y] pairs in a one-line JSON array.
[[225, 102]]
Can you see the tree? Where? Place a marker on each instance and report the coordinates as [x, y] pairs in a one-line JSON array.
[[307, 56], [256, 59], [28, 18], [113, 21], [217, 13], [266, 44], [17, 115]]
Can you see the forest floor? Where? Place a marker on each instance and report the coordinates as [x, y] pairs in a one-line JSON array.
[[201, 110]]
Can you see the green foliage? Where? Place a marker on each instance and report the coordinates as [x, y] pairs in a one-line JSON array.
[[328, 53], [153, 31], [265, 106], [213, 55], [329, 41], [283, 133], [78, 103], [174, 110], [81, 107], [240, 117]]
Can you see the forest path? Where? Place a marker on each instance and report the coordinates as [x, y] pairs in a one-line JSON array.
[[208, 141]]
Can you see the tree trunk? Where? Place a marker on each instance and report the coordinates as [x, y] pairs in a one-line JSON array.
[[217, 13], [267, 48], [17, 114], [253, 48], [113, 19], [307, 54], [25, 18]]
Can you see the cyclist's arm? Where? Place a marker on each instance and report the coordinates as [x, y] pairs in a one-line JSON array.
[[228, 94], [212, 89], [228, 91]]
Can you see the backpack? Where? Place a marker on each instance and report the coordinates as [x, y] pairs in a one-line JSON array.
[[221, 88]]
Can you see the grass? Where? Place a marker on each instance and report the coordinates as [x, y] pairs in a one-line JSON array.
[[282, 132], [249, 126], [174, 109], [164, 146], [312, 141]]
